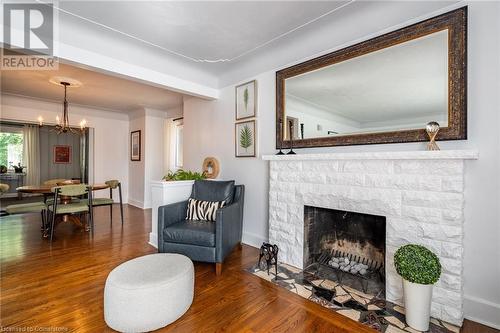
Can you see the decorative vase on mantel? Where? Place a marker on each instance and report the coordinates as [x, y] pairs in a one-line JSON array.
[[420, 269]]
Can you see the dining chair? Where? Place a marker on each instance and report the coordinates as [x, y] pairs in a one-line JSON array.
[[76, 208], [69, 182], [53, 182], [4, 188], [60, 182], [48, 198], [97, 202]]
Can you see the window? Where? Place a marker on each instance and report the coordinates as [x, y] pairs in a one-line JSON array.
[[11, 147], [179, 159]]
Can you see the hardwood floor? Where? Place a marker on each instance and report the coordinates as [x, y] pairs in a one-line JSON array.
[[60, 286]]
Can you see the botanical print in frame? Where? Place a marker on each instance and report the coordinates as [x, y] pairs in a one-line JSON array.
[[246, 100], [135, 146], [62, 154], [245, 138]]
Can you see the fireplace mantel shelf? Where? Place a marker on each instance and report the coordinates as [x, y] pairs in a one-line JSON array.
[[392, 155]]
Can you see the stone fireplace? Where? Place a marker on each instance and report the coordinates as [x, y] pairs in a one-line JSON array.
[[419, 194]]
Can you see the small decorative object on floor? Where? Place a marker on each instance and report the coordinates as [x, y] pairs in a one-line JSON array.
[[420, 269], [291, 152], [269, 253], [432, 130]]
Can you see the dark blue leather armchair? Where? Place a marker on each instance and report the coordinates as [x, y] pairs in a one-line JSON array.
[[206, 241]]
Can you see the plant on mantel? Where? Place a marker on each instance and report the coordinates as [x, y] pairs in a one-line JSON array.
[[184, 175]]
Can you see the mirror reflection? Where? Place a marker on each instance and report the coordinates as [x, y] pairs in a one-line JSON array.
[[397, 88]]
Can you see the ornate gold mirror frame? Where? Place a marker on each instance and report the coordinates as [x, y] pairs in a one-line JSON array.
[[456, 24]]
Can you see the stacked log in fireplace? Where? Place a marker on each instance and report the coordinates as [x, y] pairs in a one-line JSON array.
[[344, 265]]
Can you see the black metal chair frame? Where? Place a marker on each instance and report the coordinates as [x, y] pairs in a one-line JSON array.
[[51, 215], [111, 204]]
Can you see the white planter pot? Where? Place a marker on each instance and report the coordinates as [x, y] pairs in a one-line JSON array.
[[417, 299]]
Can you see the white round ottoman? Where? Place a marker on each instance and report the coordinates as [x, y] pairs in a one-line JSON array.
[[149, 292]]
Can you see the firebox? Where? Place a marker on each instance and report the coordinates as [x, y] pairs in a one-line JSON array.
[[348, 247]]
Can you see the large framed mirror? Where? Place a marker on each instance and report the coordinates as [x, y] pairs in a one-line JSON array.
[[383, 90]]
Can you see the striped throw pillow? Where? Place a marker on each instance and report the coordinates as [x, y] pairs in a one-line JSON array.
[[203, 210]]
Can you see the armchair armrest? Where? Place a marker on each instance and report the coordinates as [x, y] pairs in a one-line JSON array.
[[227, 230], [168, 215]]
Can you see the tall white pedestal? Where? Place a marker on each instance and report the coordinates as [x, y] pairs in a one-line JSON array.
[[164, 193]]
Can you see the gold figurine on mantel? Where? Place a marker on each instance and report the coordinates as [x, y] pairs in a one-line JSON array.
[[432, 130]]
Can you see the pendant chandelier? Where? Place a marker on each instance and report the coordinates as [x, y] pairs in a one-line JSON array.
[[63, 126]]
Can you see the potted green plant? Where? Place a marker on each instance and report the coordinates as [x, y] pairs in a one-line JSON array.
[[184, 175], [18, 168], [420, 269]]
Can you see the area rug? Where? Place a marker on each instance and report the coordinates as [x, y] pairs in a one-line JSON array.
[[369, 310]]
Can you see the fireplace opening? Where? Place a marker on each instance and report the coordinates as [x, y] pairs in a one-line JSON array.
[[346, 247]]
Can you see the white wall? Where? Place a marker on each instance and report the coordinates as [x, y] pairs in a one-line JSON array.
[[209, 130], [110, 133], [155, 150], [136, 169], [151, 167]]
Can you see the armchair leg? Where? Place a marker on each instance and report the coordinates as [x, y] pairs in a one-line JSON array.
[[218, 268]]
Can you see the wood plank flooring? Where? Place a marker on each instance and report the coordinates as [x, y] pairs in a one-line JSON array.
[[60, 286]]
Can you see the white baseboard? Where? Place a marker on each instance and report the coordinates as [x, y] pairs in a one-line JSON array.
[[482, 311], [153, 239], [136, 203], [253, 239]]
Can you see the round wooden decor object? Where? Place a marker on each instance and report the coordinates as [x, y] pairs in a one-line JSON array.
[[211, 167]]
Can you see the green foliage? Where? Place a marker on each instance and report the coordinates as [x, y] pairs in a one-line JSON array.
[[184, 175], [417, 264], [7, 139], [245, 137], [245, 97]]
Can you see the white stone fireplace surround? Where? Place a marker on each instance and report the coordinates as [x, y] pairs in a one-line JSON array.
[[421, 194]]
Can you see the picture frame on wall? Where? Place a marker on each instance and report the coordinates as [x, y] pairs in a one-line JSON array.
[[246, 100], [245, 139], [62, 154], [135, 145]]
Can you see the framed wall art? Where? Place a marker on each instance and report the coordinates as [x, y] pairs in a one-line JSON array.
[[245, 138], [62, 154], [246, 100], [135, 146]]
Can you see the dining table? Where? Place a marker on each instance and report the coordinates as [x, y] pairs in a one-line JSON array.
[[46, 191]]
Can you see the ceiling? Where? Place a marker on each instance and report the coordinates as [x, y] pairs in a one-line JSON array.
[[202, 31], [382, 86], [98, 90]]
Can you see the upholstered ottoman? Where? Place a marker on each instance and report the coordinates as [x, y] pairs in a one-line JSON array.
[[148, 292]]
